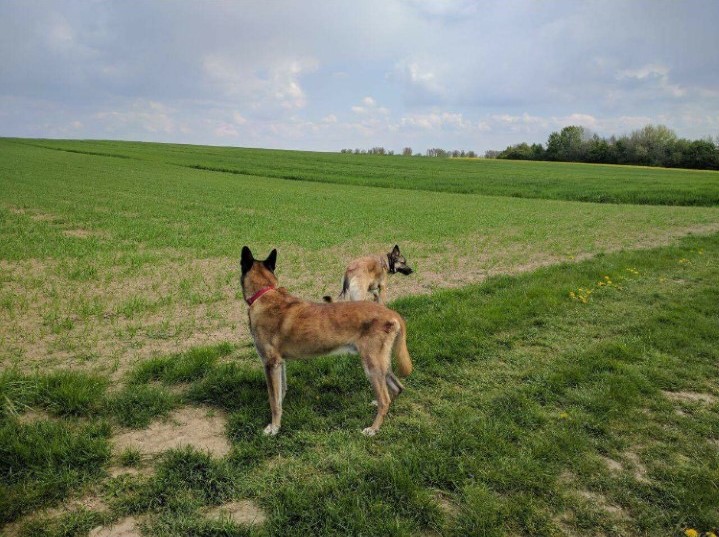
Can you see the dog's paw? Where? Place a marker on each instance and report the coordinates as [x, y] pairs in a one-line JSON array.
[[369, 431], [271, 430]]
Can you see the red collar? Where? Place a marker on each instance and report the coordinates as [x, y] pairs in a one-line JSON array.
[[258, 294]]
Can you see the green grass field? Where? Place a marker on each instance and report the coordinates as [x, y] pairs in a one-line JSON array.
[[536, 407], [546, 180]]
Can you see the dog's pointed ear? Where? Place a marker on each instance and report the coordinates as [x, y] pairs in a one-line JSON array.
[[246, 259], [395, 250], [271, 260]]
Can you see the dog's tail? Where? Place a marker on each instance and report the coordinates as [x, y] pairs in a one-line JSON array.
[[404, 362], [343, 293]]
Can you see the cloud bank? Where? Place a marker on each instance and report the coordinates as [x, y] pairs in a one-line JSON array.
[[323, 76]]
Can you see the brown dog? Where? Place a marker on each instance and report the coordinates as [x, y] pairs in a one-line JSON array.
[[285, 327], [367, 276]]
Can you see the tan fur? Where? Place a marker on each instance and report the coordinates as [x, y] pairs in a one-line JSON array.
[[286, 327], [366, 277]]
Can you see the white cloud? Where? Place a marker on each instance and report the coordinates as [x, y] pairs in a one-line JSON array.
[[419, 79], [436, 120], [148, 116], [225, 130], [278, 86], [436, 73], [653, 74], [369, 108]]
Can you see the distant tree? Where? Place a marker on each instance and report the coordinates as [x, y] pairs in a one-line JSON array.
[[652, 145], [407, 152], [598, 150], [537, 151], [471, 154], [566, 145], [700, 154], [492, 153], [517, 152]]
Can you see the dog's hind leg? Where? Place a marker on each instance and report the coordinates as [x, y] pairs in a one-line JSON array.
[[275, 390], [376, 378], [376, 362], [393, 385], [284, 381]]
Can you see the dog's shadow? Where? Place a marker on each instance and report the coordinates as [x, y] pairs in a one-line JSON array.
[[323, 394]]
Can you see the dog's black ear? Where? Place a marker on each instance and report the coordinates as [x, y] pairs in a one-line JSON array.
[[395, 250], [246, 259], [271, 260]]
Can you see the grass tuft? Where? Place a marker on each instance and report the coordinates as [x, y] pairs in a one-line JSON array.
[[41, 462], [137, 405], [183, 367]]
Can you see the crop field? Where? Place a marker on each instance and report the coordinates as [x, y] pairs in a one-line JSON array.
[[563, 321]]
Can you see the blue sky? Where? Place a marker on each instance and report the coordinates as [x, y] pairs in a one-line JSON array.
[[335, 74]]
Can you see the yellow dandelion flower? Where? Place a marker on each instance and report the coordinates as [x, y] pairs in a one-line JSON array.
[[691, 532]]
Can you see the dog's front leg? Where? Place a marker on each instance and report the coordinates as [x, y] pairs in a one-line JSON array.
[[381, 297], [276, 388]]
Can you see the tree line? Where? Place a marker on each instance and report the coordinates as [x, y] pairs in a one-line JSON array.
[[649, 146], [407, 152]]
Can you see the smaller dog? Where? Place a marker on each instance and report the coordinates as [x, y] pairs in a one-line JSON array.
[[369, 275]]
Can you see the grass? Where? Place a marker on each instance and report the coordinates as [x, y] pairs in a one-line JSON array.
[[529, 412], [43, 462], [108, 260], [137, 406], [183, 367], [61, 393], [546, 180], [579, 397]]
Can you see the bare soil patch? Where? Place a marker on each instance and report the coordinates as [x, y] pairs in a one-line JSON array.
[[612, 465], [198, 427], [117, 471], [690, 397], [80, 233], [245, 512], [127, 527], [32, 416], [598, 500], [639, 470], [448, 508]]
